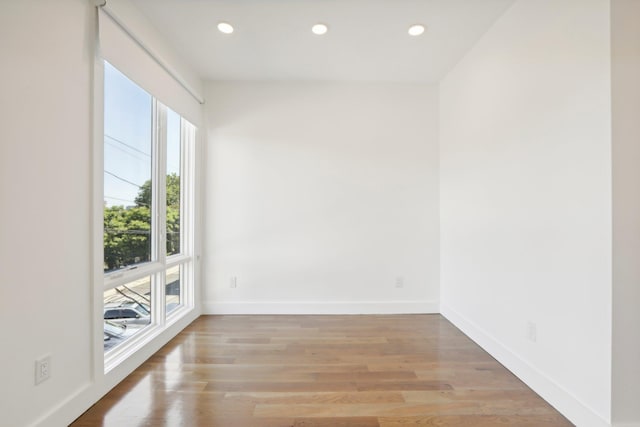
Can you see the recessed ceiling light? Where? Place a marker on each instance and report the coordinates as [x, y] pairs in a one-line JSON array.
[[225, 27], [319, 29], [416, 30]]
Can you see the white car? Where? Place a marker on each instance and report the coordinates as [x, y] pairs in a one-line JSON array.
[[127, 314]]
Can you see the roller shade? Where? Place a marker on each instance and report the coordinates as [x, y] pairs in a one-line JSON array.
[[121, 50]]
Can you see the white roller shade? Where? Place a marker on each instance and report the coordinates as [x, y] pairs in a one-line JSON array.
[[144, 67]]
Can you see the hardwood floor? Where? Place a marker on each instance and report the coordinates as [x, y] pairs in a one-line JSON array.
[[322, 371]]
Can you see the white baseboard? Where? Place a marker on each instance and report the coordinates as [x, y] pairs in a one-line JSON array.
[[66, 411], [332, 307], [565, 402]]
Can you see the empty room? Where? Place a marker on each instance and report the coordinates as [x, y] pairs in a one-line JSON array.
[[320, 213]]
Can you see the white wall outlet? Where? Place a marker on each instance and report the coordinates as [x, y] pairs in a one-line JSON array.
[[532, 331], [399, 282], [233, 282], [43, 368]]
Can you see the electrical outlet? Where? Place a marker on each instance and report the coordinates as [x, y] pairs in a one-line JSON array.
[[399, 282], [43, 369], [233, 282], [532, 331]]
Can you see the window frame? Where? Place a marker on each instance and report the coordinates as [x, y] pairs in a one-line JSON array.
[[160, 262]]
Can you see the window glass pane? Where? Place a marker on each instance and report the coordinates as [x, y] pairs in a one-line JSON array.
[[172, 289], [127, 171], [173, 182], [127, 309]]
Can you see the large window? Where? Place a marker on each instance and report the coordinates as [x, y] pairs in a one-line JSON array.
[[148, 214]]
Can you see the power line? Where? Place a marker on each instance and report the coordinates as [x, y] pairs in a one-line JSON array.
[[117, 231], [122, 150], [122, 179], [126, 145], [126, 200], [118, 198], [134, 149], [133, 231]]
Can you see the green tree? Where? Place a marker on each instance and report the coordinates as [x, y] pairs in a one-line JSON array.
[[173, 214], [127, 231], [127, 235], [173, 192]]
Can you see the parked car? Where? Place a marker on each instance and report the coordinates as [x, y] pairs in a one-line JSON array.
[[127, 314], [140, 306]]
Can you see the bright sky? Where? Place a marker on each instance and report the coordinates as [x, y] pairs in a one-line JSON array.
[[127, 138]]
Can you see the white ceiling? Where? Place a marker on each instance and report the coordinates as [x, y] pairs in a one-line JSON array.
[[367, 39]]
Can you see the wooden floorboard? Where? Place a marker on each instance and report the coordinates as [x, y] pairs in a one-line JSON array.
[[321, 371]]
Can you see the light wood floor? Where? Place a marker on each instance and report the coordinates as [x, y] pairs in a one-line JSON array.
[[322, 371]]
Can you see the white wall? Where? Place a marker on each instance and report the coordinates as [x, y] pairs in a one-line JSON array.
[[526, 199], [45, 160], [319, 196], [625, 33], [45, 219]]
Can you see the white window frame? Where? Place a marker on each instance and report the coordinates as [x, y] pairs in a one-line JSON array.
[[160, 262]]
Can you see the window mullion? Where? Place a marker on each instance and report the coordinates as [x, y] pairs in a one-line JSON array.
[[158, 192], [184, 248], [187, 208], [160, 205]]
